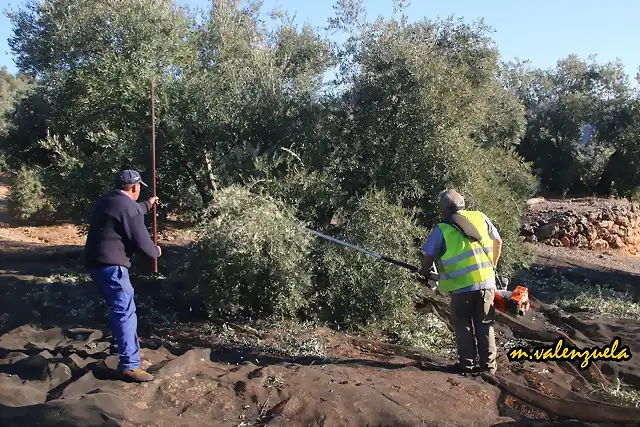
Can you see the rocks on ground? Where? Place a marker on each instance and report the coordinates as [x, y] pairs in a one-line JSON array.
[[588, 224]]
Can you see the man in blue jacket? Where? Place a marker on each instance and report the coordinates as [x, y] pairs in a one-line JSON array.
[[117, 230]]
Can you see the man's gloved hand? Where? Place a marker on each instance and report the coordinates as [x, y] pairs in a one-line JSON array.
[[502, 282], [420, 277], [425, 280]]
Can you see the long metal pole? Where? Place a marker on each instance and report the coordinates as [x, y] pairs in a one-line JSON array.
[[368, 252], [153, 168], [343, 243], [432, 280]]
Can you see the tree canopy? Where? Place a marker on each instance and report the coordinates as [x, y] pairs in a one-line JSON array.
[[386, 119]]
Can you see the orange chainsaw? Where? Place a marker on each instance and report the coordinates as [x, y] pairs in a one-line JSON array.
[[514, 302]]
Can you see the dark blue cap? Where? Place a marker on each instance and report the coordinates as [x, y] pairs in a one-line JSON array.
[[130, 176]]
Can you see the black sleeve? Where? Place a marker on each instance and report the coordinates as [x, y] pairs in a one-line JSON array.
[[139, 236], [144, 207]]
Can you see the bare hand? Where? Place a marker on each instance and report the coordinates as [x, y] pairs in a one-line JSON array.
[[153, 200], [159, 251]]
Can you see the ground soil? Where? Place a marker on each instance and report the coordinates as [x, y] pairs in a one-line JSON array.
[[57, 361]]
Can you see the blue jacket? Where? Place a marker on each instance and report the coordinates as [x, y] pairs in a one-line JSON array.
[[117, 230]]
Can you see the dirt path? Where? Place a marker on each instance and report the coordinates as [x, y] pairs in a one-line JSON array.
[[5, 217], [15, 236], [56, 362]]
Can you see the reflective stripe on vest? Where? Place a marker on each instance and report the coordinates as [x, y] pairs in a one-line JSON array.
[[468, 254], [465, 262]]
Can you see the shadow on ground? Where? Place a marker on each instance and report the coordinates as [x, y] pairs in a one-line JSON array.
[[51, 367], [622, 281]]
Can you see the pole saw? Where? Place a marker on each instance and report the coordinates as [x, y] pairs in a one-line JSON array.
[[514, 302]]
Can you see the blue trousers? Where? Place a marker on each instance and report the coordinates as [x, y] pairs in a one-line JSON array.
[[115, 286]]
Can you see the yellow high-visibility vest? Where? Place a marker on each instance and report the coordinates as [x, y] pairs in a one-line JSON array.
[[465, 262]]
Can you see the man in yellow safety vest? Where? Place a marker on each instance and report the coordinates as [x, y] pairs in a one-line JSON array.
[[466, 264]]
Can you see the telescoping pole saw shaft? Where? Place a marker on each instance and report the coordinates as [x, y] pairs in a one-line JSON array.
[[381, 257]]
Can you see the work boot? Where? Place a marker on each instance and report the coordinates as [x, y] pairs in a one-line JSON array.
[[137, 375], [462, 370]]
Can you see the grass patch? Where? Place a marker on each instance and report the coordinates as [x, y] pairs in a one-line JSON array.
[[429, 333], [309, 346], [67, 278], [619, 393], [300, 339], [585, 296], [602, 301], [287, 338]]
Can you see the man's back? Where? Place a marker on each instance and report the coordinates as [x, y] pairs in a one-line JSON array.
[[436, 245], [117, 229]]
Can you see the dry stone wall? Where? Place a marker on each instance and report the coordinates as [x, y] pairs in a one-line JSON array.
[[597, 226]]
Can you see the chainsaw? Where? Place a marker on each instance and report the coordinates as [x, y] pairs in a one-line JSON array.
[[515, 303]]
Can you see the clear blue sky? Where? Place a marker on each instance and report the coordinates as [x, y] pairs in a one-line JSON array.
[[542, 31]]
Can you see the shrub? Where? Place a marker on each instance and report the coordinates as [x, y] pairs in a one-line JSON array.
[[251, 259], [355, 290], [500, 189], [514, 172], [75, 179], [315, 195], [27, 196], [4, 166]]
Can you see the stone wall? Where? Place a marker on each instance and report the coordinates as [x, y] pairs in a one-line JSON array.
[[598, 228]]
